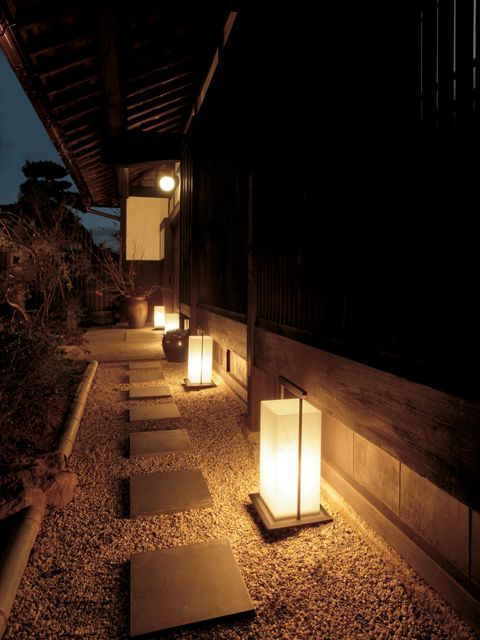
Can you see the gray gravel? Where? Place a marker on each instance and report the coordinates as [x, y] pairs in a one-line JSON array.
[[333, 581]]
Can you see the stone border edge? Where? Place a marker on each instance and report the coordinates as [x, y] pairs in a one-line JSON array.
[[16, 558]]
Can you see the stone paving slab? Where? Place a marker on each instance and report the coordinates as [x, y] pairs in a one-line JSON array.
[[142, 335], [146, 364], [146, 375], [136, 393], [154, 494], [154, 443], [154, 412], [183, 585]]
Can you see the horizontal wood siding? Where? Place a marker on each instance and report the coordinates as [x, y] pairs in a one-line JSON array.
[[231, 334], [435, 434]]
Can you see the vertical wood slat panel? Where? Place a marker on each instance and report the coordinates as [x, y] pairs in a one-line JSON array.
[[429, 65], [464, 66], [446, 18]]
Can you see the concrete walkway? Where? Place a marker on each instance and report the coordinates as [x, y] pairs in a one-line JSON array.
[[120, 343]]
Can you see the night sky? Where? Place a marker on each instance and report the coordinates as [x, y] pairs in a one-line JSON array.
[[23, 137]]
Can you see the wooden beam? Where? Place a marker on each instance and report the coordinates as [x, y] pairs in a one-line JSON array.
[[111, 34], [136, 148], [122, 174], [146, 192]]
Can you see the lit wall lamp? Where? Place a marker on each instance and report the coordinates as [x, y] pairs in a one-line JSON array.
[[172, 321], [158, 317], [290, 441], [167, 182], [200, 353]]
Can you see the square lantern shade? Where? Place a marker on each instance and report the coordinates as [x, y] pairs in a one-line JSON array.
[[289, 464], [172, 321], [200, 352], [159, 317]]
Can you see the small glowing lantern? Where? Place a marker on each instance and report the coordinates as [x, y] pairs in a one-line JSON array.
[[159, 317], [290, 441], [200, 351], [172, 321], [167, 183]]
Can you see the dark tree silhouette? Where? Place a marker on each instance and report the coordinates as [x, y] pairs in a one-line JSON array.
[[45, 197]]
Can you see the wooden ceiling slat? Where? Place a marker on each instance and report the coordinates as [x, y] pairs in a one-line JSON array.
[[77, 78], [75, 96], [160, 114], [57, 39], [163, 67], [89, 75], [155, 97], [180, 101], [81, 123], [64, 119], [78, 148], [83, 60], [93, 153], [159, 126]]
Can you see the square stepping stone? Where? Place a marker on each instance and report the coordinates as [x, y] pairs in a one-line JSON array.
[[146, 375], [183, 585], [154, 412], [136, 393], [154, 494], [145, 364], [155, 443]]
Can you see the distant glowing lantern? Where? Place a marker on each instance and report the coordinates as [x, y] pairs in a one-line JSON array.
[[200, 351], [172, 321], [290, 441], [159, 317]]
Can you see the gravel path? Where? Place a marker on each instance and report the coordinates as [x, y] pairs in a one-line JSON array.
[[319, 583]]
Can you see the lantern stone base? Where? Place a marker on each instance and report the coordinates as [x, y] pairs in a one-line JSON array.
[[198, 385], [272, 524]]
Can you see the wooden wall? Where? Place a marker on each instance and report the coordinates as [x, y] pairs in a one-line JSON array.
[[330, 237]]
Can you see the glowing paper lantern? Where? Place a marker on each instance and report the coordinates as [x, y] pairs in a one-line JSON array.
[[158, 317], [172, 321], [290, 441], [200, 350]]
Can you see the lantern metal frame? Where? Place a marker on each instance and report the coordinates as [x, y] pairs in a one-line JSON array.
[[199, 385], [268, 521]]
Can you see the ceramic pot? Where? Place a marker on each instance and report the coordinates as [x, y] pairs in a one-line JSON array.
[[136, 310], [175, 345]]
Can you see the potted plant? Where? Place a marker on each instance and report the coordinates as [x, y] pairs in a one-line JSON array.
[[175, 345], [124, 280]]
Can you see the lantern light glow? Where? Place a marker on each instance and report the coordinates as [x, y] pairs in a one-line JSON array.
[[290, 458], [159, 317], [167, 183], [172, 321], [200, 353]]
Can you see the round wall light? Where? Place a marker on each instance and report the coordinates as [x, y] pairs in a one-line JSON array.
[[167, 183]]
